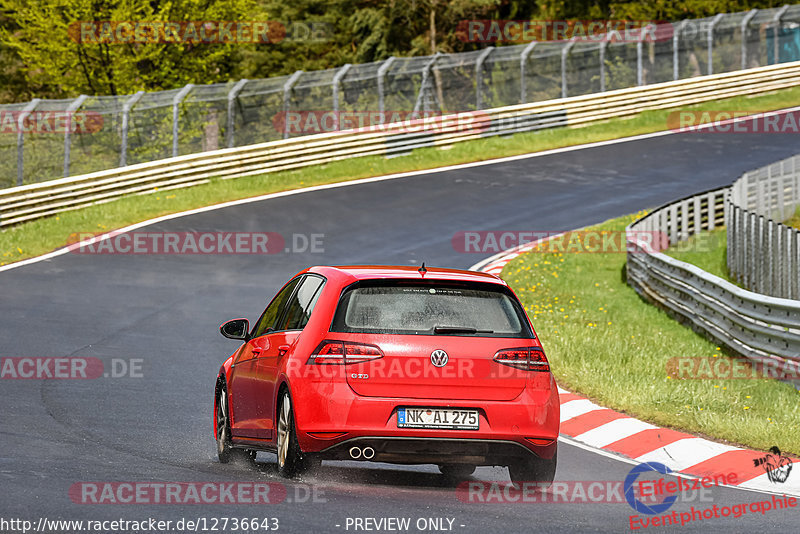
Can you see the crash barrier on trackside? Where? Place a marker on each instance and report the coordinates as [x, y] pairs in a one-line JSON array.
[[763, 254], [760, 327], [29, 202]]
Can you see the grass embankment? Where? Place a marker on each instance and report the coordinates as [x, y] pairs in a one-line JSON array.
[[605, 342], [794, 220], [706, 250], [37, 237]]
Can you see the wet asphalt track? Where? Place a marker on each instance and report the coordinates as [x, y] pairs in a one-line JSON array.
[[166, 310]]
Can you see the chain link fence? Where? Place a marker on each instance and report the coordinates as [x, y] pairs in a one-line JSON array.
[[46, 139]]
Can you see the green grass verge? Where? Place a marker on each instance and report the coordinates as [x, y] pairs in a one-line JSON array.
[[794, 220], [707, 250], [605, 342], [37, 237]]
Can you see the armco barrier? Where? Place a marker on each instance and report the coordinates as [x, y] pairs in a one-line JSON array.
[[30, 202], [757, 326]]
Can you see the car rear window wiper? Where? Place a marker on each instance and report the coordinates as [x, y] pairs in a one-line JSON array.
[[459, 330]]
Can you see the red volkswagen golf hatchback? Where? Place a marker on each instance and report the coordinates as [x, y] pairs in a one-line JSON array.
[[390, 364]]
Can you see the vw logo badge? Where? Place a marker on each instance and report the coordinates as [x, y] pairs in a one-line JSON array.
[[439, 358]]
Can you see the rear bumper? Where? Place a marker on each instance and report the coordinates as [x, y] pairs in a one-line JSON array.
[[333, 418], [411, 450]]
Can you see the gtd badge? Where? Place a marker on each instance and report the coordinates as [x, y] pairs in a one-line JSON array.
[[439, 358]]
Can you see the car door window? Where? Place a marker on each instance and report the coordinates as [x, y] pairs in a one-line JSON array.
[[275, 310], [302, 303]]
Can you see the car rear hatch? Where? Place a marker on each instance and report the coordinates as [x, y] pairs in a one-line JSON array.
[[435, 339], [437, 367]]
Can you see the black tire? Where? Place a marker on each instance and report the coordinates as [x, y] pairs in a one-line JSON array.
[[290, 457], [225, 450], [456, 471], [533, 469]]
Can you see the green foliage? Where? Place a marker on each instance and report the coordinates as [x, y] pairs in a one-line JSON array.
[[55, 62], [41, 60]]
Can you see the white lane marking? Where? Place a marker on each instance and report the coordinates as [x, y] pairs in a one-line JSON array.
[[360, 181], [373, 179], [685, 453], [577, 407], [613, 431], [762, 483]]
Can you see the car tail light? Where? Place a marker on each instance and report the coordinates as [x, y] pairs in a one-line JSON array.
[[525, 358], [343, 353]]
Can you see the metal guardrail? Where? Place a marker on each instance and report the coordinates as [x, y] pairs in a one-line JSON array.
[[25, 203], [763, 254], [140, 127], [759, 327]]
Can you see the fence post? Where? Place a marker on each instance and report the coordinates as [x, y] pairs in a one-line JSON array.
[[233, 94], [794, 265], [72, 108], [698, 215], [795, 185], [753, 243], [762, 242], [675, 42], [770, 268], [381, 77], [564, 54], [126, 112], [777, 266], [713, 23], [742, 247], [781, 200], [776, 24], [426, 76], [337, 79], [287, 97], [712, 211], [27, 110], [479, 76], [639, 66], [176, 102], [523, 59], [743, 28], [603, 45]]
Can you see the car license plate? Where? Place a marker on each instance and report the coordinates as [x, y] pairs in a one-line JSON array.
[[441, 418]]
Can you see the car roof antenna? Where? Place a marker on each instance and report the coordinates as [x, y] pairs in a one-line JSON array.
[[422, 270]]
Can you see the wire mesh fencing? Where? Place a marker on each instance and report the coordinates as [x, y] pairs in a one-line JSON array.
[[47, 139]]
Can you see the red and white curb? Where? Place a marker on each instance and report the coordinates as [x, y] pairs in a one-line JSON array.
[[625, 437]]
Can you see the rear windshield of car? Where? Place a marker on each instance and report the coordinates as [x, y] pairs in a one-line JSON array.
[[431, 308]]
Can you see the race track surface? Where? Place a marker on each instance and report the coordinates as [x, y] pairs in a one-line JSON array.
[[166, 310]]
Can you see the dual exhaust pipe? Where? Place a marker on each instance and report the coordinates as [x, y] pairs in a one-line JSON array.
[[367, 453]]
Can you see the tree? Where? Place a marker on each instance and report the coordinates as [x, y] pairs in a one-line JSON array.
[[59, 62]]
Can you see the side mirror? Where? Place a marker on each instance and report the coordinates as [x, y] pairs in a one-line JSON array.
[[236, 329]]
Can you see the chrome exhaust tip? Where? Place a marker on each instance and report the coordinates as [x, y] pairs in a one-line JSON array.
[[355, 453], [368, 453]]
